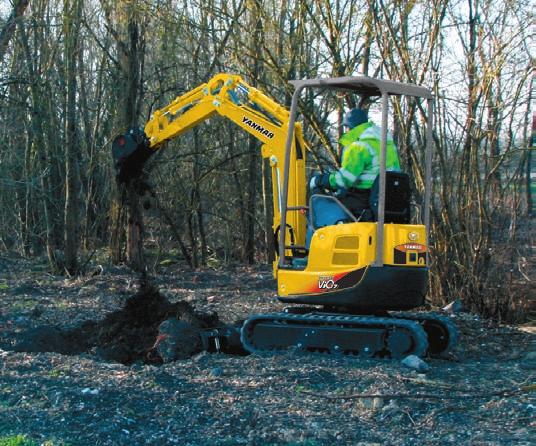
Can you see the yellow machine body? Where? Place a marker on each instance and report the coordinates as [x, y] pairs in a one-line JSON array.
[[337, 250], [356, 272]]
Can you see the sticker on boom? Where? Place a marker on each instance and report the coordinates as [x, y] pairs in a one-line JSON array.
[[258, 127]]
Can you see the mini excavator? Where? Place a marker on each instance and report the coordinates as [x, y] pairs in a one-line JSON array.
[[351, 283]]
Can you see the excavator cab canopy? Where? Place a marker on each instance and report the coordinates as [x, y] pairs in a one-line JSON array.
[[367, 87]]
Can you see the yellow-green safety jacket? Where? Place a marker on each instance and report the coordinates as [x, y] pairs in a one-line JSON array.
[[361, 158]]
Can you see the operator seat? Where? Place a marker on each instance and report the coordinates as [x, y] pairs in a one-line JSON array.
[[397, 197], [325, 210]]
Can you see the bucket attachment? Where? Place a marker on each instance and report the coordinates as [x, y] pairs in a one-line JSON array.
[[130, 151]]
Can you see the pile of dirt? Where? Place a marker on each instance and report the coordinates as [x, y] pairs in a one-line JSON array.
[[127, 335]]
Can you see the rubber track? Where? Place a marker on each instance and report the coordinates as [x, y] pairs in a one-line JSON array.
[[444, 320], [419, 335]]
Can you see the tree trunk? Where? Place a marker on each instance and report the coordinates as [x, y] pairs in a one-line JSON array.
[[268, 211], [128, 43], [9, 27], [72, 12], [28, 200], [40, 146], [135, 256], [197, 202], [249, 242], [253, 167], [117, 225], [529, 181]]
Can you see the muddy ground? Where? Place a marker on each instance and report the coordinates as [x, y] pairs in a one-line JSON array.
[[483, 394]]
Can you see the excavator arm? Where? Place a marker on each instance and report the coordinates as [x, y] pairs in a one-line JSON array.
[[228, 96]]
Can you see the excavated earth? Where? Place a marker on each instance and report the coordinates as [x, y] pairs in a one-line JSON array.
[[126, 335], [78, 367]]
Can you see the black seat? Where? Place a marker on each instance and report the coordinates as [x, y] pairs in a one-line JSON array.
[[397, 197]]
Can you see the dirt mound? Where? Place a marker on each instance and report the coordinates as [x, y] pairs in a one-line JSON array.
[[47, 338], [127, 335]]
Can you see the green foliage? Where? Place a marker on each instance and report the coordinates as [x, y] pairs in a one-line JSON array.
[[214, 262], [16, 440], [22, 440], [101, 256], [23, 304], [55, 373], [299, 389]]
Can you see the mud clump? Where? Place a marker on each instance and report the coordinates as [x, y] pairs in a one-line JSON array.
[[177, 340], [130, 334]]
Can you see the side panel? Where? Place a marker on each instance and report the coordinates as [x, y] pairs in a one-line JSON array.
[[378, 289], [340, 255], [335, 252], [405, 245]]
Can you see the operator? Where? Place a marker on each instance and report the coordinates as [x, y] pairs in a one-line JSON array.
[[360, 164]]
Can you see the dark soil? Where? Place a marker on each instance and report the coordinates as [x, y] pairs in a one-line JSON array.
[[483, 394], [126, 335]]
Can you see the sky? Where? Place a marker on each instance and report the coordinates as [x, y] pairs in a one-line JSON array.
[[5, 7]]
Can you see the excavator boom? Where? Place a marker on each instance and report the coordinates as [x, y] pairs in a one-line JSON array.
[[226, 95]]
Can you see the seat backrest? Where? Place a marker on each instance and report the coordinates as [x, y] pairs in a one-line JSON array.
[[325, 210], [397, 197]]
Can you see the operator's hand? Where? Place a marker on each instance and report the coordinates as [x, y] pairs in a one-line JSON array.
[[340, 193], [319, 181]]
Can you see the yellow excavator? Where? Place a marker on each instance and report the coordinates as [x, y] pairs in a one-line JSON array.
[[353, 280]]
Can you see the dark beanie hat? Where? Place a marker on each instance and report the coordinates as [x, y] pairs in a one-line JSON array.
[[355, 117]]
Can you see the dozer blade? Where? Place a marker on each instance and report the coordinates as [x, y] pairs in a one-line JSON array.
[[130, 151], [367, 336]]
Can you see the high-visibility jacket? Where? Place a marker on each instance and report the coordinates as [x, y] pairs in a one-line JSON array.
[[361, 158]]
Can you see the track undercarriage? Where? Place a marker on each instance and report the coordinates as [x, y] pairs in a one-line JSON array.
[[394, 335]]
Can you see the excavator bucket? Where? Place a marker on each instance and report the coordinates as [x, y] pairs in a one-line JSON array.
[[130, 151]]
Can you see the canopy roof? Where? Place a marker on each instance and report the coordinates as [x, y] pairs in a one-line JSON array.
[[367, 86]]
